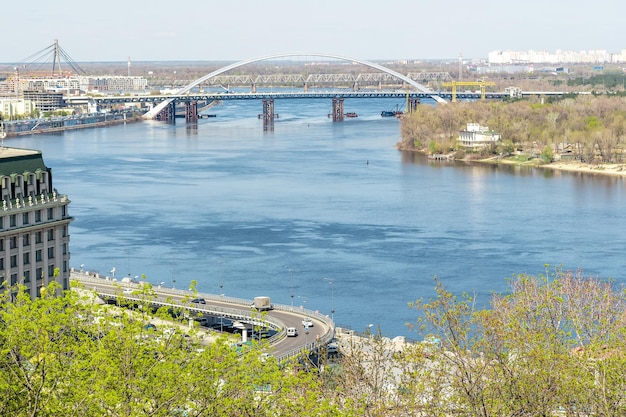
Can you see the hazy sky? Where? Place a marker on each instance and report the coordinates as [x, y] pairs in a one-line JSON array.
[[233, 30]]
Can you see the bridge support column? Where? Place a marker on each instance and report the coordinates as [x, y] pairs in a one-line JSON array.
[[337, 110], [412, 104], [168, 114], [268, 114], [191, 111], [253, 88]]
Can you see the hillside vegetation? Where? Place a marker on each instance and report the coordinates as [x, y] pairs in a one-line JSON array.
[[552, 344], [591, 128]]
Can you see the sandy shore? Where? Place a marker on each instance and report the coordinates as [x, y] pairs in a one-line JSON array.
[[618, 170]]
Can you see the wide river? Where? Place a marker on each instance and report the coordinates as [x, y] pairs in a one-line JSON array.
[[285, 213]]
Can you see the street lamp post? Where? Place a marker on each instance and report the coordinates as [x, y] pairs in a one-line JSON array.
[[220, 271], [290, 272], [332, 299], [306, 337]]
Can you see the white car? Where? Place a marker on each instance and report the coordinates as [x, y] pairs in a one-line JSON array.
[[307, 322], [292, 332]]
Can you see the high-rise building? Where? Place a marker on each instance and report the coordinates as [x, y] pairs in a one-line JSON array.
[[34, 221]]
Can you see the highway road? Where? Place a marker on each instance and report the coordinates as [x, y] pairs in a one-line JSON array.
[[235, 309]]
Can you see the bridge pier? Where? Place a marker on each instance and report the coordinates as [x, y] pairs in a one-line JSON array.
[[411, 104], [191, 111], [268, 114], [337, 110], [253, 88], [168, 114]]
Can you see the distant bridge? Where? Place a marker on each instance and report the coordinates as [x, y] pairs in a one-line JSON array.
[[420, 88], [355, 80]]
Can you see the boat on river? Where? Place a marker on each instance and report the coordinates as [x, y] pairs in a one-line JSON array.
[[392, 113], [351, 114]]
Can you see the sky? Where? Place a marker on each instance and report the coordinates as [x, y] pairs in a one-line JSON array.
[[235, 30]]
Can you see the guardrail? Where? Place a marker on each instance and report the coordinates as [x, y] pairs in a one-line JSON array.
[[252, 317]]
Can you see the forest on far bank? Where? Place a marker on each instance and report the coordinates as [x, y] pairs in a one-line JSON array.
[[590, 127]]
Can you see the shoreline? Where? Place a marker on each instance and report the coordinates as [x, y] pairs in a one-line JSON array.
[[614, 170]]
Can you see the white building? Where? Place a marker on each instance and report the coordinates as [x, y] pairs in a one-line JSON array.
[[477, 137], [80, 83], [12, 108], [598, 56]]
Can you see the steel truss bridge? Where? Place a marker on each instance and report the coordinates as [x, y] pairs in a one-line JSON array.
[[197, 96], [193, 101], [377, 78]]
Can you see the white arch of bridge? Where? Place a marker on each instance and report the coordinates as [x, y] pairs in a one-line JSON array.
[[157, 109]]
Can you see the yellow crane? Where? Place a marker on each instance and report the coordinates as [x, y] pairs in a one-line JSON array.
[[481, 84]]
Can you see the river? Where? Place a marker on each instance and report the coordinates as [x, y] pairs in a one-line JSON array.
[[284, 213]]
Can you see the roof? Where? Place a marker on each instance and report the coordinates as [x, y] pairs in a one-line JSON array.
[[18, 161]]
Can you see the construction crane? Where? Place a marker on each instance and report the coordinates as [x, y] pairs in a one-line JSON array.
[[481, 84]]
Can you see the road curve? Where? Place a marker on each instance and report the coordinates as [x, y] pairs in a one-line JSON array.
[[281, 317]]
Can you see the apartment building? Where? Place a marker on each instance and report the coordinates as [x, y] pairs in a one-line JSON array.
[[34, 222]]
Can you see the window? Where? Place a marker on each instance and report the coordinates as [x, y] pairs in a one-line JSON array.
[[2, 222], [25, 218], [50, 213], [65, 266], [1, 245], [64, 231], [51, 270], [13, 279], [13, 261], [1, 263], [38, 238], [38, 256], [50, 235], [39, 273], [26, 239], [64, 211], [65, 249], [26, 257], [26, 276], [37, 216], [13, 242], [12, 220], [51, 253]]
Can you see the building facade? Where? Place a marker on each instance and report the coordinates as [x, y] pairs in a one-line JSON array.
[[45, 101], [34, 223], [13, 108], [477, 137]]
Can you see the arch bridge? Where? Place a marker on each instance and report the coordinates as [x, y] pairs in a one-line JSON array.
[[166, 109]]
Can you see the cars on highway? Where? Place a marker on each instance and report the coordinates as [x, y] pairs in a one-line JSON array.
[[198, 301], [307, 322], [292, 332], [332, 347]]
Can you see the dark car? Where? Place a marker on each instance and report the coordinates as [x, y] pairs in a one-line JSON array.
[[198, 301]]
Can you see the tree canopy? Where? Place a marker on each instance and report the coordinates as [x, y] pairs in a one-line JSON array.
[[553, 343], [591, 127]]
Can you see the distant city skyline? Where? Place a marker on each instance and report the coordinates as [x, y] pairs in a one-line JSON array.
[[224, 31]]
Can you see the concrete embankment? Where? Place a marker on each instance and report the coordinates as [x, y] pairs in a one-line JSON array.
[[60, 124]]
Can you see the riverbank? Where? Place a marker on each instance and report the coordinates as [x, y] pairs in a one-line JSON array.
[[60, 124], [618, 170]]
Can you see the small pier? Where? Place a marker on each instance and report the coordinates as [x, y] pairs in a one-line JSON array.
[[441, 157]]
